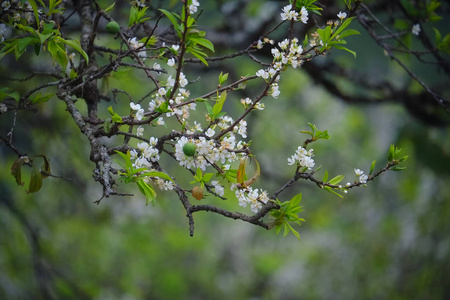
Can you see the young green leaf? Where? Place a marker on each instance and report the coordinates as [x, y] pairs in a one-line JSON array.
[[147, 191], [16, 169], [325, 176], [372, 167], [336, 179], [35, 180]]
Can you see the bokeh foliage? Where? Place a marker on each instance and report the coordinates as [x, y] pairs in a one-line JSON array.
[[389, 240]]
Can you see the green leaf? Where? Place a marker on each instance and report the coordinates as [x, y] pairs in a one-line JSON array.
[[343, 26], [445, 44], [348, 32], [163, 107], [294, 231], [76, 45], [158, 174], [437, 35], [39, 98], [25, 42], [372, 167], [346, 49], [200, 55], [397, 168], [35, 10], [204, 42], [171, 17], [45, 169], [43, 37], [217, 108], [391, 153], [325, 176], [295, 201], [58, 53], [209, 109], [403, 158], [16, 169], [109, 8], [207, 177], [116, 118], [127, 158], [286, 229], [330, 190], [35, 180], [222, 78], [4, 93], [336, 179], [147, 191]]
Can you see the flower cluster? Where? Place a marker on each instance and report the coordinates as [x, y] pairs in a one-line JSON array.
[[290, 14], [139, 3], [139, 111], [148, 154], [302, 158], [209, 152], [218, 189], [252, 197], [362, 178], [135, 44], [20, 9], [290, 54]]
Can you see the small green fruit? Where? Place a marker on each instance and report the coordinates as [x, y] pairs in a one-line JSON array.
[[189, 149], [112, 27]]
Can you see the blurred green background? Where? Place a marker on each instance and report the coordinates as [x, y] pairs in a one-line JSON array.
[[389, 240]]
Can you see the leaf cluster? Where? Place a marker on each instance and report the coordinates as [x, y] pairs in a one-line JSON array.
[[140, 177], [333, 37], [193, 39], [37, 174], [287, 214]]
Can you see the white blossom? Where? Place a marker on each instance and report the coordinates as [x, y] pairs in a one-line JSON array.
[[416, 29], [3, 108], [153, 141], [263, 74], [170, 82], [139, 114], [342, 15], [194, 7], [363, 178], [275, 92], [304, 15], [302, 158], [157, 68], [135, 44], [358, 172], [140, 131], [6, 5], [288, 13], [183, 81], [210, 132], [171, 62], [135, 106], [160, 121], [242, 129], [260, 44]]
